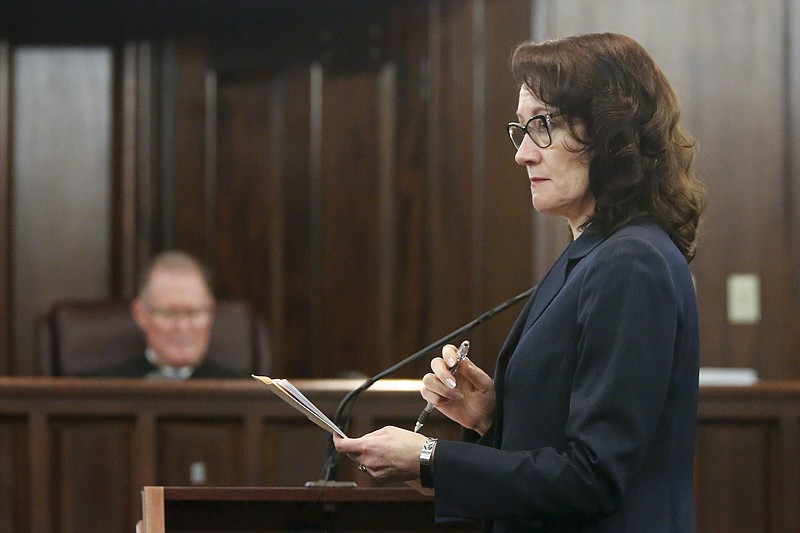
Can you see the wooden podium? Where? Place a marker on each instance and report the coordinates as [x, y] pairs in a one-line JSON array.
[[172, 509]]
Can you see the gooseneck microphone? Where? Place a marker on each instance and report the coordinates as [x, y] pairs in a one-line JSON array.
[[342, 416]]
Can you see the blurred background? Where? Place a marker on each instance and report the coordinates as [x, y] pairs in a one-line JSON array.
[[343, 165]]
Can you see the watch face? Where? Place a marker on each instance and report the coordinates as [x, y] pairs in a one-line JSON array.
[[427, 449]]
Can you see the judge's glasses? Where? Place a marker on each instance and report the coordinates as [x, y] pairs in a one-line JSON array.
[[169, 316], [537, 128]]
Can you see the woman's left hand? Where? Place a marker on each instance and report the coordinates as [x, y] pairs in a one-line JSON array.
[[388, 454]]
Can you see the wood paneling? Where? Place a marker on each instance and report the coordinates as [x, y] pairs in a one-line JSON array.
[[5, 208], [77, 452], [192, 452], [450, 208], [91, 460], [61, 160], [14, 480], [83, 449], [722, 489], [349, 173]]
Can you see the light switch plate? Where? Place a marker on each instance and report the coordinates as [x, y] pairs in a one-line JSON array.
[[744, 299]]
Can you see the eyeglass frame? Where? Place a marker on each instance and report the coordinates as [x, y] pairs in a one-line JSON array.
[[171, 316], [544, 119]]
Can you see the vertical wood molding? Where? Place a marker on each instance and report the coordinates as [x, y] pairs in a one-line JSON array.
[[168, 113], [792, 143], [143, 452], [253, 445], [479, 124], [387, 173], [275, 308], [315, 282], [210, 176], [135, 214], [6, 202], [433, 153], [189, 207], [124, 243], [41, 463]]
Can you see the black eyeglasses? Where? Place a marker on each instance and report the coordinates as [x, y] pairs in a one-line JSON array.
[[537, 128]]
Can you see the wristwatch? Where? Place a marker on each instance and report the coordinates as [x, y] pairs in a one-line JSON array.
[[426, 463]]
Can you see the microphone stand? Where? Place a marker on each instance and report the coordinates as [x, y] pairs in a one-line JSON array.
[[342, 416]]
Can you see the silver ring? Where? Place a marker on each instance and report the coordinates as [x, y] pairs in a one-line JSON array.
[[361, 467]]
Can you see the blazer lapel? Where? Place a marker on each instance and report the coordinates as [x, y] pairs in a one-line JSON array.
[[547, 290], [554, 280]]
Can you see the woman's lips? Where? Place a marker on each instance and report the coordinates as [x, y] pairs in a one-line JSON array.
[[535, 181]]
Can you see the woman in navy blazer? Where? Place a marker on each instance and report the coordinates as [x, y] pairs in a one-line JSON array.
[[589, 421]]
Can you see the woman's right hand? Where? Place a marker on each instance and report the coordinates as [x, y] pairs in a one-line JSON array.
[[466, 397]]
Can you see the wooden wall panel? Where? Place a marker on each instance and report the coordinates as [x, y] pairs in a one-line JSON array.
[[93, 462], [733, 499], [281, 448], [190, 192], [291, 310], [450, 216], [136, 217], [14, 482], [791, 139], [61, 170], [200, 452], [5, 209], [248, 197], [408, 327], [79, 450], [351, 223]]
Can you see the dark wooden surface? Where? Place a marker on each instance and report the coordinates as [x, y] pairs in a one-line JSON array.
[[291, 509], [78, 452]]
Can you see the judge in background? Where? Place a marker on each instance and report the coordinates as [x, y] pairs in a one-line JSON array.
[[174, 308], [589, 421]]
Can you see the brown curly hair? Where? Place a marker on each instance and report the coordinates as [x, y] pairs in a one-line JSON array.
[[629, 116]]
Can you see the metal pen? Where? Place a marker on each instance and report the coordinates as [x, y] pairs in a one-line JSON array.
[[460, 355]]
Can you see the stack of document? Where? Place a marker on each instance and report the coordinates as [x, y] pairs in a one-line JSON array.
[[291, 395]]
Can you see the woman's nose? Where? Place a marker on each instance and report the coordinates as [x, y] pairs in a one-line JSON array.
[[528, 153]]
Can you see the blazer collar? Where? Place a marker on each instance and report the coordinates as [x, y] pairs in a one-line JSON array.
[[554, 280]]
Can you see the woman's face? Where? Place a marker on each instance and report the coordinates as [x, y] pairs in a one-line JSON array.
[[559, 177]]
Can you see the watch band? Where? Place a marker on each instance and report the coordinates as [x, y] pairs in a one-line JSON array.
[[426, 462]]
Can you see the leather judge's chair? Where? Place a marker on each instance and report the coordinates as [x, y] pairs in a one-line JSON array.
[[77, 337]]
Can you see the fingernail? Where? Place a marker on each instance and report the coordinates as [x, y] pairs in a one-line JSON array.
[[450, 383], [451, 360]]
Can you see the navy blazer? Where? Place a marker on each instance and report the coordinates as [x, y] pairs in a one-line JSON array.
[[596, 388]]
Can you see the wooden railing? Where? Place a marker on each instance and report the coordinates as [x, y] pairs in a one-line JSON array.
[[76, 452]]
